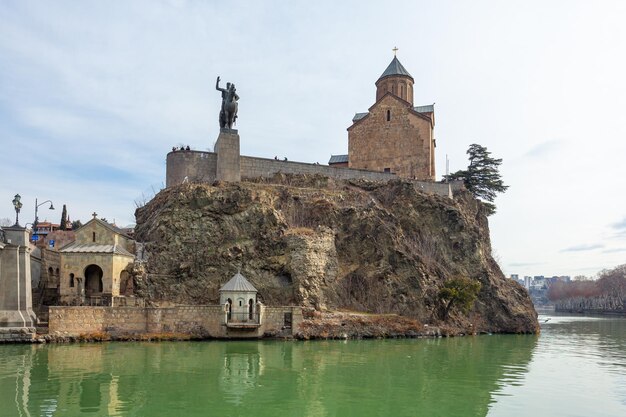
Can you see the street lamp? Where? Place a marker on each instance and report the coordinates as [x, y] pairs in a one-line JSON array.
[[18, 206], [37, 218]]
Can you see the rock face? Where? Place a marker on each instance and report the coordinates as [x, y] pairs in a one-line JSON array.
[[328, 245]]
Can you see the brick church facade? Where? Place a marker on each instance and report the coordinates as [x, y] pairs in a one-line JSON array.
[[393, 135]]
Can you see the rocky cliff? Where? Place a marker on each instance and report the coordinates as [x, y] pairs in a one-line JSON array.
[[328, 245]]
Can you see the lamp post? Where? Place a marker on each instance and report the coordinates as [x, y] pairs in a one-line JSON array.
[[18, 206], [37, 218]]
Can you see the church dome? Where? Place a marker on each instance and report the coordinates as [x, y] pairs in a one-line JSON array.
[[395, 68], [395, 80]]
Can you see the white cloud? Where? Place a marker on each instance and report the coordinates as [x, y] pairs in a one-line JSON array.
[[620, 225], [544, 149], [583, 247]]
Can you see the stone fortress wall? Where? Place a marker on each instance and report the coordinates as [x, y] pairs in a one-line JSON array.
[[201, 166]]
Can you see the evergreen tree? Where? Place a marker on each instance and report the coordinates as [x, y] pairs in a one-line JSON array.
[[482, 176], [63, 224], [76, 224]]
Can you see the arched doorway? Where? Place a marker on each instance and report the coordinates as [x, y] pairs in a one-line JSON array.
[[93, 279]]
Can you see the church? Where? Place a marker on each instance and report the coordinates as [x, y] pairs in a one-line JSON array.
[[94, 267], [394, 135]]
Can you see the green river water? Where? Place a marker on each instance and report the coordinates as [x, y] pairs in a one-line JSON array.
[[576, 367]]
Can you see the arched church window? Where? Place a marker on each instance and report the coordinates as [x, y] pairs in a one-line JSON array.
[[93, 236], [388, 115], [71, 280]]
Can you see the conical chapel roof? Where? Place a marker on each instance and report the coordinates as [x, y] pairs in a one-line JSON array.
[[238, 283], [395, 68]]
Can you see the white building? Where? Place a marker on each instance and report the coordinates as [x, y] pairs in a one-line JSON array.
[[239, 298]]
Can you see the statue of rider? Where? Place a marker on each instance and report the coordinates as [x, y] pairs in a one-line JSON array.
[[228, 113]]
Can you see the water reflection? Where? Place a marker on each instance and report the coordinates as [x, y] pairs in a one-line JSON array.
[[577, 370], [243, 365], [461, 376]]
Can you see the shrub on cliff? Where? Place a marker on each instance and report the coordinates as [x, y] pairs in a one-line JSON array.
[[459, 293]]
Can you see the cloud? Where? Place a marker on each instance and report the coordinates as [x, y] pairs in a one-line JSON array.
[[620, 225], [55, 121], [620, 234], [583, 247], [614, 250], [543, 149], [522, 264]]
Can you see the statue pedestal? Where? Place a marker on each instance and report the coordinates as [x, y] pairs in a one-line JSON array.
[[228, 156], [16, 305]]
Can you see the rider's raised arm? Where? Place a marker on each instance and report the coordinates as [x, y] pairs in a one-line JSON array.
[[217, 85]]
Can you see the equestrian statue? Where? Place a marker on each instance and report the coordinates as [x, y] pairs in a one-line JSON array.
[[228, 114]]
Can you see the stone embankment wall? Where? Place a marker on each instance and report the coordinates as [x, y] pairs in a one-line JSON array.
[[17, 334], [198, 166], [604, 304], [196, 321]]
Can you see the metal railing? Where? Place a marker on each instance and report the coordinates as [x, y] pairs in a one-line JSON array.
[[251, 318], [130, 301], [98, 300]]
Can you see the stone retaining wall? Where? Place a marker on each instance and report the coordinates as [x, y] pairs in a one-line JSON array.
[[198, 166], [196, 321], [274, 321], [17, 334], [252, 167]]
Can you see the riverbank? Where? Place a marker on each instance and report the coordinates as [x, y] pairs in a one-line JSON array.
[[315, 326], [591, 313], [354, 325]]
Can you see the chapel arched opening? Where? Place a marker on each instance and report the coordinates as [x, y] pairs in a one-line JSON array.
[[93, 280]]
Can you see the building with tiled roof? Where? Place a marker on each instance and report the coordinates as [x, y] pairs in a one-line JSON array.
[[95, 265], [239, 297]]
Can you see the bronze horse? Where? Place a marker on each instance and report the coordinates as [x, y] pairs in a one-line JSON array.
[[228, 113]]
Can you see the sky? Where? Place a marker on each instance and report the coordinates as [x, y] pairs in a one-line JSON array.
[[93, 94]]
